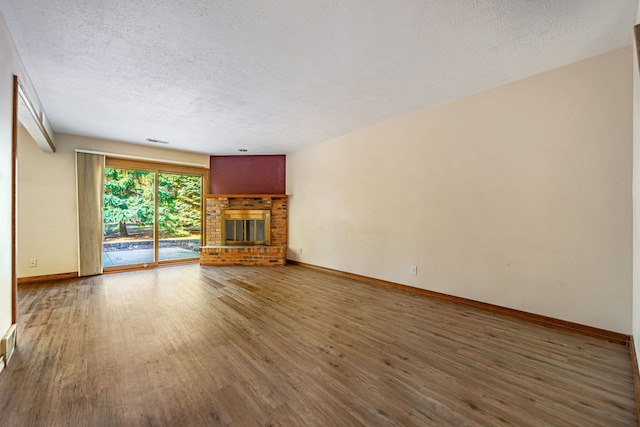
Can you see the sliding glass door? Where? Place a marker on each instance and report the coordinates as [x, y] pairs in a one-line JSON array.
[[129, 217], [151, 214], [179, 216]]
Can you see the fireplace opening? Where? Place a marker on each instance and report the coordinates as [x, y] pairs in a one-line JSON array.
[[246, 227]]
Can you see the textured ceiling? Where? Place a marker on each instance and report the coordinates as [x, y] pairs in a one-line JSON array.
[[274, 76]]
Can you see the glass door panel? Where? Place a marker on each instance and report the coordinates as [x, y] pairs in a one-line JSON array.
[[179, 216], [129, 215]]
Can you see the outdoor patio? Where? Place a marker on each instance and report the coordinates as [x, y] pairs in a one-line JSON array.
[[116, 258]]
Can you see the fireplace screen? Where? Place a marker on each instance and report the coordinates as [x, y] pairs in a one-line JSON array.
[[246, 227]]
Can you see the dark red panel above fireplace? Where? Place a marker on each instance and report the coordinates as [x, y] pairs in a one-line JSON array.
[[248, 174]]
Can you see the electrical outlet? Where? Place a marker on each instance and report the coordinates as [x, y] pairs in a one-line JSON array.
[[414, 270], [33, 262]]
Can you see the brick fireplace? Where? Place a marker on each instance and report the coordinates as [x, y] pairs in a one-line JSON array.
[[245, 229]]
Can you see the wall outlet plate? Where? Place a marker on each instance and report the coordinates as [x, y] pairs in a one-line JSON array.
[[414, 270]]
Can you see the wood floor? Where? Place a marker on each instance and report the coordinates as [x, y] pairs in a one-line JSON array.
[[291, 346]]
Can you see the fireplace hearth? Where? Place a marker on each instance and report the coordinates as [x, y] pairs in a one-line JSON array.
[[245, 229]]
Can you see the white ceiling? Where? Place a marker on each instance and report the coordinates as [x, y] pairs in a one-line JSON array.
[[274, 76]]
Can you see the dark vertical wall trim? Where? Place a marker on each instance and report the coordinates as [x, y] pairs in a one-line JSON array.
[[632, 347], [14, 197], [636, 32]]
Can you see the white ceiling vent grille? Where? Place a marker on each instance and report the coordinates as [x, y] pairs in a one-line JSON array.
[[157, 141]]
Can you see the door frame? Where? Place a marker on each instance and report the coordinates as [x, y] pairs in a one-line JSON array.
[[14, 205], [158, 168]]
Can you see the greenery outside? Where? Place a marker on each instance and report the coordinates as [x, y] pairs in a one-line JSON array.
[[129, 205], [179, 205]]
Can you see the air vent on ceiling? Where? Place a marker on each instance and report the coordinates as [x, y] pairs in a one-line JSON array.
[[157, 141]]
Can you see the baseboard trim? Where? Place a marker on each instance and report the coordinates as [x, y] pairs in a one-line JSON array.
[[47, 278], [636, 373], [539, 319]]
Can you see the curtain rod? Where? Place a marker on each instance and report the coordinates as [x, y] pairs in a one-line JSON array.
[[144, 159]]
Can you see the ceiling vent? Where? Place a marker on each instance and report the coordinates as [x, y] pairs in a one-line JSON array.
[[157, 141]]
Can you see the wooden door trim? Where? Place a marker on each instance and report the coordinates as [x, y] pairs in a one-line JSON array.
[[14, 198]]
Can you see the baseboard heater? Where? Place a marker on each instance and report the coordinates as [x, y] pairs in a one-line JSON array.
[[8, 344]]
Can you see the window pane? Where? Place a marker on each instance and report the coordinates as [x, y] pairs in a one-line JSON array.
[[229, 229], [179, 212], [128, 217], [260, 231], [239, 230], [251, 230]]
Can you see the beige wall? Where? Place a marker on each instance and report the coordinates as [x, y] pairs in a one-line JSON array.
[[518, 196], [47, 224], [6, 88], [46, 210], [10, 65]]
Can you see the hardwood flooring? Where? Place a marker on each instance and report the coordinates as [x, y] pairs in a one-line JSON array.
[[244, 346]]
